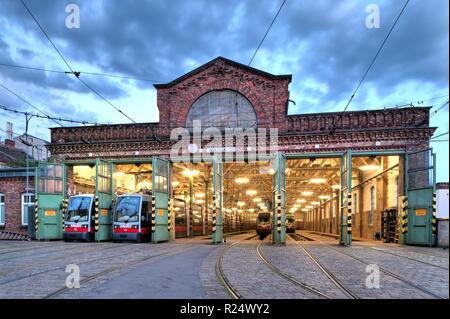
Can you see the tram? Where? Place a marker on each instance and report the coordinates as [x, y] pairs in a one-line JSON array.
[[79, 222], [132, 218], [263, 225], [290, 223]]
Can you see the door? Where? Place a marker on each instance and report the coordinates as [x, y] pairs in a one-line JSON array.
[[217, 206], [161, 192], [104, 196], [420, 185], [279, 199], [50, 185], [345, 237]]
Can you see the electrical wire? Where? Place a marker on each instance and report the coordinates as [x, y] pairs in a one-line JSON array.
[[371, 64], [80, 72], [267, 32], [77, 74], [5, 108], [27, 102]]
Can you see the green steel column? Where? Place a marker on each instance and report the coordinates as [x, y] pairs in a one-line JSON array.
[[346, 185], [191, 207]]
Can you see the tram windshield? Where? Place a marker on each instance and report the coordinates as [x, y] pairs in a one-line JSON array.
[[263, 218], [290, 219], [78, 209], [127, 209]]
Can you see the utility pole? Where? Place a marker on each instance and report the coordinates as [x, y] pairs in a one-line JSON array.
[[28, 117]]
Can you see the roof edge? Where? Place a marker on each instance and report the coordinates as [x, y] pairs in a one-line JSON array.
[[220, 58]]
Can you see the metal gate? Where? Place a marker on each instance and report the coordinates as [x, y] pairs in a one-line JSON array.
[[345, 237], [217, 206], [420, 183], [161, 193], [50, 185], [104, 196], [279, 199]]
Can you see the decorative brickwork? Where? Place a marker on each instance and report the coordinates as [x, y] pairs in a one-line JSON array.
[[388, 129]]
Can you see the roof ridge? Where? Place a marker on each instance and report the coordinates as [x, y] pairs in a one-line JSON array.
[[221, 58]]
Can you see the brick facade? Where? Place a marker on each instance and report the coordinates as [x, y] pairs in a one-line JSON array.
[[387, 129], [12, 188]]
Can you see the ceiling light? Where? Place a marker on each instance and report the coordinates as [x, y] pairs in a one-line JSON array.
[[307, 193], [301, 200], [304, 210], [318, 180], [199, 201], [251, 210], [189, 173], [257, 200], [242, 180], [240, 204], [315, 203], [324, 197], [369, 167], [296, 205], [309, 206], [251, 192], [336, 186], [200, 195]]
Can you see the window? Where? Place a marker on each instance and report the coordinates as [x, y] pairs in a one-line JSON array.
[[372, 205], [50, 178], [2, 209], [27, 206], [222, 109]]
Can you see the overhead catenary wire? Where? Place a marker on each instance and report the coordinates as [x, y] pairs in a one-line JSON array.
[[372, 62], [80, 72], [77, 74], [438, 135], [29, 103], [267, 32], [62, 119]]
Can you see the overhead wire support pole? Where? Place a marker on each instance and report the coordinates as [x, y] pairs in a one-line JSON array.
[[333, 128]]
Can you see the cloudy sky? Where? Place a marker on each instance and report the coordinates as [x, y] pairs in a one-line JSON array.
[[324, 44]]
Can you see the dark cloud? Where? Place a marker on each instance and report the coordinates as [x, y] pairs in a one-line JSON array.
[[155, 39]]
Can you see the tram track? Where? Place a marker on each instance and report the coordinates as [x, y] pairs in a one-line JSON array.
[[406, 257], [382, 269], [117, 268], [346, 291], [77, 254], [296, 282], [63, 266], [221, 275], [27, 249]]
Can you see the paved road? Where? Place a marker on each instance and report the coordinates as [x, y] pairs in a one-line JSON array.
[[186, 268]]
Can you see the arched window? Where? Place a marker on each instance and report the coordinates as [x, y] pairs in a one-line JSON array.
[[222, 109]]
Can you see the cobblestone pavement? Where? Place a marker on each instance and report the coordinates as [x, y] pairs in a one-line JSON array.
[[427, 277], [186, 268]]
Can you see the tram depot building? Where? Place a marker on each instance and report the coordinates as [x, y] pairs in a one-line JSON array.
[[357, 174]]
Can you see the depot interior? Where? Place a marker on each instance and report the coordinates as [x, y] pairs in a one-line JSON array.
[[312, 192]]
